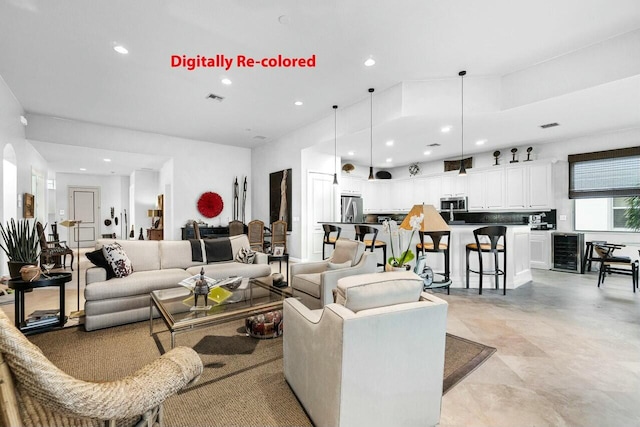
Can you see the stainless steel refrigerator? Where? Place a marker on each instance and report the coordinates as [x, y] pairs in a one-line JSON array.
[[352, 209]]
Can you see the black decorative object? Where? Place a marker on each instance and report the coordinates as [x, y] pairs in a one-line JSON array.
[[201, 288], [112, 213], [496, 154], [513, 152], [383, 175], [141, 236], [529, 150], [132, 234], [414, 169], [107, 222]]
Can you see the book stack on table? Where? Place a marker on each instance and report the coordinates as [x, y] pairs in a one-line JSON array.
[[43, 317]]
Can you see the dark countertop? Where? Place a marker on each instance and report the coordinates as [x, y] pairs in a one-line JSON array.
[[452, 224]]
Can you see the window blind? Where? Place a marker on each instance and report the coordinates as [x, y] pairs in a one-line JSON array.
[[613, 173]]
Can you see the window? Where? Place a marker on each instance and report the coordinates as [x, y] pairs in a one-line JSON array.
[[602, 214], [613, 173]]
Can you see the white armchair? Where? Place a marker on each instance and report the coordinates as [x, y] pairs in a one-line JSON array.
[[313, 282], [375, 358]]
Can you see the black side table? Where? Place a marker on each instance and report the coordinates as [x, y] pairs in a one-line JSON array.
[[20, 287], [283, 257]]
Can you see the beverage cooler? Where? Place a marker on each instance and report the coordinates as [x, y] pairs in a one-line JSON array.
[[567, 251]]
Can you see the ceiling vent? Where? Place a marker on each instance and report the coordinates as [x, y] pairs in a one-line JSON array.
[[215, 97], [259, 137], [549, 125], [435, 144]]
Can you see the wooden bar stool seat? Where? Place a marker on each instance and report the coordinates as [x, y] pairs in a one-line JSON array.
[[364, 230], [328, 239], [494, 233]]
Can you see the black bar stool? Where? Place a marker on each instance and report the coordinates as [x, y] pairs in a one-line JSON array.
[[494, 233], [328, 240], [436, 246], [364, 230]]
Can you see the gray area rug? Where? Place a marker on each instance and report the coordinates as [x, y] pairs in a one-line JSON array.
[[243, 381]]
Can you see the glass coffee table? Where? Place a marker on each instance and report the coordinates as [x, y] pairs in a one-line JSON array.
[[175, 306]]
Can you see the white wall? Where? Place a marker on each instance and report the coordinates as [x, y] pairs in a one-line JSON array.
[[13, 132], [198, 166]]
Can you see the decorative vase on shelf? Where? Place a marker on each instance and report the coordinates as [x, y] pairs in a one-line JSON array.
[[389, 267]]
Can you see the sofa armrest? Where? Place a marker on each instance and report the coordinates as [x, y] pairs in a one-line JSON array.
[[261, 258], [95, 274], [309, 267], [329, 280]]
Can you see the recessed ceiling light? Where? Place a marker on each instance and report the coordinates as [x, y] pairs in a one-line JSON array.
[[226, 81], [481, 141], [351, 153], [389, 143], [298, 103], [445, 129], [83, 169], [121, 49], [426, 153], [389, 160], [107, 160], [370, 62]]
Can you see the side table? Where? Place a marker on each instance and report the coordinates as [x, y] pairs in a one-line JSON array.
[[20, 287], [283, 257]]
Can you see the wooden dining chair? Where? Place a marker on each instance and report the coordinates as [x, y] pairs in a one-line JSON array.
[[256, 235], [279, 235]]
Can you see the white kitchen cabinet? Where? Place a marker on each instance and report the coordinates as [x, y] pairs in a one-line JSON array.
[[419, 191], [351, 185], [540, 249], [378, 193], [485, 189], [454, 185], [516, 187], [540, 185], [433, 191], [528, 186]]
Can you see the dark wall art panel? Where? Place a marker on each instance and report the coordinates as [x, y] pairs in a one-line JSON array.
[[280, 197]]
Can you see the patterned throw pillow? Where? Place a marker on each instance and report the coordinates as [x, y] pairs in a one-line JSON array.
[[118, 259], [246, 256]]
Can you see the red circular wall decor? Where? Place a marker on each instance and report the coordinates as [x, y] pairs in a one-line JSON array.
[[210, 204]]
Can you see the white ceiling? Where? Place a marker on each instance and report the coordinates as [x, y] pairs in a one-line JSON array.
[[57, 58]]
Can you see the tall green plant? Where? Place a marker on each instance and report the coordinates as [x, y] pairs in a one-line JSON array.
[[632, 213], [20, 241]]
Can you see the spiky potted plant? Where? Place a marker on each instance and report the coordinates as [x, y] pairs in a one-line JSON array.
[[632, 214], [21, 244]]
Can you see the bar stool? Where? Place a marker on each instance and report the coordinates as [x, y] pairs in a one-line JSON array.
[[328, 240], [494, 233], [362, 231], [436, 246]]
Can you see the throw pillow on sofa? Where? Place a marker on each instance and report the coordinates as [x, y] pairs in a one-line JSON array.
[[246, 256], [118, 259], [98, 259]]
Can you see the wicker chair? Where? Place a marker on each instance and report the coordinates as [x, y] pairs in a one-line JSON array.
[[279, 235], [256, 235], [53, 250], [34, 392], [236, 228]]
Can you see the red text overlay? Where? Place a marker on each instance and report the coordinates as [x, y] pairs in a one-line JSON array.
[[240, 61]]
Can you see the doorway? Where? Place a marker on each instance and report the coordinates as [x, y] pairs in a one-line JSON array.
[[84, 205], [321, 207]]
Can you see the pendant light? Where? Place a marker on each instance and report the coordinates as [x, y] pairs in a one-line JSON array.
[[463, 171], [335, 144], [371, 178]]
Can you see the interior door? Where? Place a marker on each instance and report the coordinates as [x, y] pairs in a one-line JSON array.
[[84, 205], [321, 206]]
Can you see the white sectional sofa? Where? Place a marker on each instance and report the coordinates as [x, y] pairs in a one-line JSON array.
[[157, 264]]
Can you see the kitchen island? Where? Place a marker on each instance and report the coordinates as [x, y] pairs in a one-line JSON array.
[[518, 254]]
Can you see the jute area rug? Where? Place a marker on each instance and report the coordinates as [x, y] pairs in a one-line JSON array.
[[242, 384]]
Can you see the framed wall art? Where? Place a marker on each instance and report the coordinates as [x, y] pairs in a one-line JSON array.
[[28, 206], [280, 197]]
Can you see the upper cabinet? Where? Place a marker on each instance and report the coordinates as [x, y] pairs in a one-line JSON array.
[[351, 185], [540, 185], [486, 189], [454, 185], [529, 186]]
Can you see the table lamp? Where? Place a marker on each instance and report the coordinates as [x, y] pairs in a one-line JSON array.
[[432, 220], [75, 223]]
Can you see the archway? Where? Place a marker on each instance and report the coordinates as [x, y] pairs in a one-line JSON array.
[[9, 194]]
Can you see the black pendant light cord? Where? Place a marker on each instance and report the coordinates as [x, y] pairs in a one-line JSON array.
[[335, 144], [462, 74], [371, 148]]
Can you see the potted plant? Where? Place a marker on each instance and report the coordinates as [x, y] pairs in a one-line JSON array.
[[20, 241], [632, 214], [401, 261]]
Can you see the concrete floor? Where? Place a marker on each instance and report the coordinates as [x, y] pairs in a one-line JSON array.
[[568, 352]]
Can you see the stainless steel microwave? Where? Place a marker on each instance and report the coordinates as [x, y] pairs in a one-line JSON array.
[[453, 204]]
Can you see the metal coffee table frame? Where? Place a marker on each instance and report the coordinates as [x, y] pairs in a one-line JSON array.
[[177, 326]]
